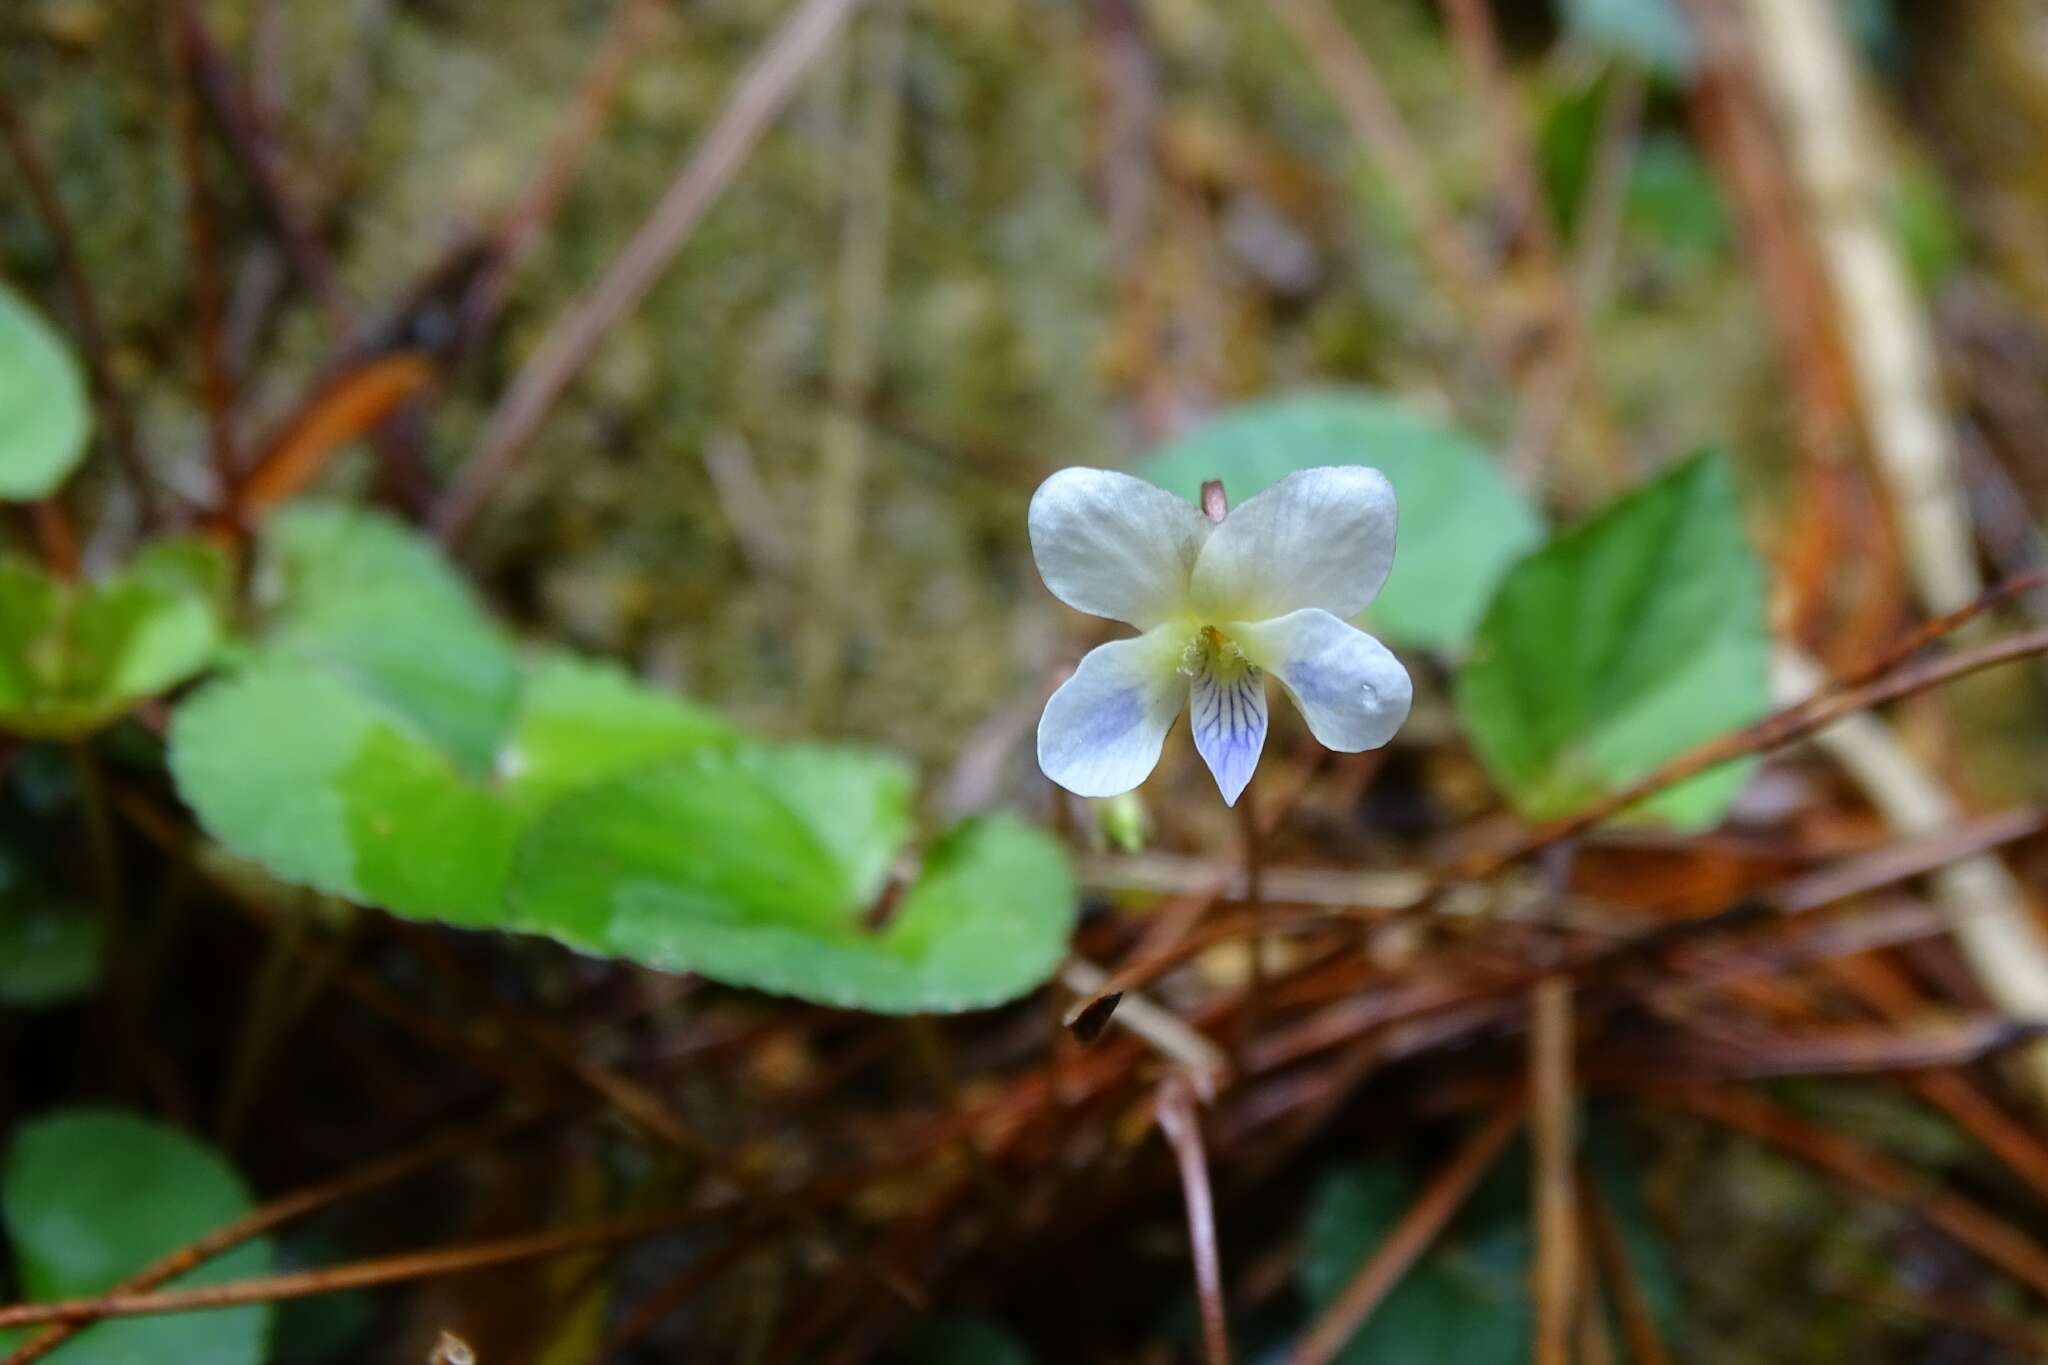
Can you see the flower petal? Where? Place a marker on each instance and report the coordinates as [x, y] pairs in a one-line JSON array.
[[1227, 710], [1102, 731], [1115, 546], [1351, 690], [1318, 538]]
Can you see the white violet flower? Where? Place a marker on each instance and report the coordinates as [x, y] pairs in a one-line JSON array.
[[1266, 588]]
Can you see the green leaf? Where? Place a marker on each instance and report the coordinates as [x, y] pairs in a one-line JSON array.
[[324, 782], [369, 749], [92, 1196], [762, 868], [291, 766], [1462, 522], [43, 421], [373, 601], [1567, 142], [580, 722], [74, 657], [1620, 644], [1653, 32]]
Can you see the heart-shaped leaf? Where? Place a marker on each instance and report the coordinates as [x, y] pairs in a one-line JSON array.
[[43, 415], [383, 744], [370, 749], [307, 773], [94, 1195], [1462, 523], [1620, 644], [370, 600], [580, 722], [74, 657], [291, 766], [763, 868]]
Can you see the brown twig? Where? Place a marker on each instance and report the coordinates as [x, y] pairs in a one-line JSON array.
[[1176, 922], [1631, 1304], [1775, 731], [1899, 859], [1892, 995], [1939, 627], [286, 1209], [1992, 1238], [1978, 1320], [85, 309], [410, 1266], [1410, 1237], [1354, 83], [1550, 383], [1552, 1167], [204, 249], [760, 95], [342, 409], [56, 537], [542, 199], [670, 1297], [243, 134], [1181, 1124]]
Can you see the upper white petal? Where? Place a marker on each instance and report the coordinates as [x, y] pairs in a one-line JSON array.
[[1227, 714], [1115, 546], [1102, 730], [1351, 690], [1318, 538]]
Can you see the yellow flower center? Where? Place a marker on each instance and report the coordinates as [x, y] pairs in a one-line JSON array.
[[1212, 652]]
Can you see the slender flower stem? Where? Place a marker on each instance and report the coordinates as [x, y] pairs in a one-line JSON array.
[[1254, 915]]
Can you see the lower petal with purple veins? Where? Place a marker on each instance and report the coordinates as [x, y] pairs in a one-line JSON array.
[[1227, 710]]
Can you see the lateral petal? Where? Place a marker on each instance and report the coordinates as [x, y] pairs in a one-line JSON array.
[[1349, 687], [1102, 730]]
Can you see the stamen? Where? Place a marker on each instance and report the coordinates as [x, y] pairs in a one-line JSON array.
[[1211, 651]]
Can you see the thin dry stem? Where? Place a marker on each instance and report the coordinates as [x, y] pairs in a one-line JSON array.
[[286, 1209], [1411, 1236], [1552, 1167], [760, 95], [861, 299], [1181, 1124]]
